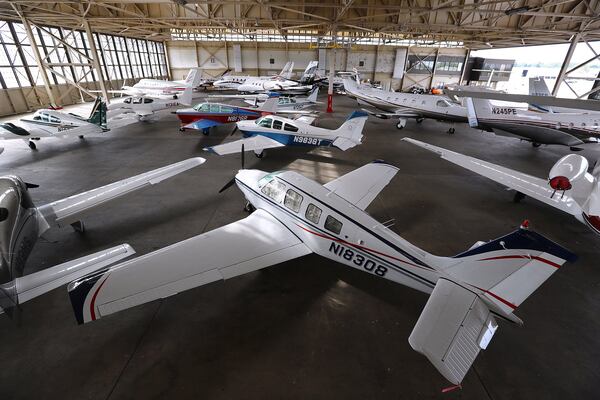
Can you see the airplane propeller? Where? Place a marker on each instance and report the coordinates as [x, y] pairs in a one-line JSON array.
[[232, 181], [235, 129], [31, 185]]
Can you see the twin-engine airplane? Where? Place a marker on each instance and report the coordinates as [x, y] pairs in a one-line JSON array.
[[275, 131], [282, 85], [228, 81], [569, 187], [572, 129], [157, 87], [204, 116], [48, 123], [384, 104], [284, 103], [296, 216], [21, 223], [145, 108]]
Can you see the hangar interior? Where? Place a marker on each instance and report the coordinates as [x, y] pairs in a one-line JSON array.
[[308, 327]]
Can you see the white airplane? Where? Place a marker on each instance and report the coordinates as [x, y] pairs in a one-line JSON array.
[[296, 216], [261, 84], [284, 102], [538, 87], [384, 104], [48, 123], [567, 129], [157, 87], [578, 190], [145, 108], [21, 223], [275, 131], [234, 81]]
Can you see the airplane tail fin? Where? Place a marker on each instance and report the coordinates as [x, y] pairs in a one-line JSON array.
[[270, 105], [538, 87], [312, 97], [287, 70], [186, 97], [194, 77], [98, 114], [350, 133], [309, 73], [487, 281]]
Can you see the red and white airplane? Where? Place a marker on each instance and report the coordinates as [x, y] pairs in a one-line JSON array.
[[569, 174], [295, 216]]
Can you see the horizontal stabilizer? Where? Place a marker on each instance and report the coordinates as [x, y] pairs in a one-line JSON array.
[[33, 285], [71, 209], [453, 327], [256, 142]]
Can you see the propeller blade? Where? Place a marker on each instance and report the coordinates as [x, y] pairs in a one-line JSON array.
[[235, 129], [243, 156], [227, 185], [31, 185]]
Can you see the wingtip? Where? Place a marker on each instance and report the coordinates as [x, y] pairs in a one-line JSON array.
[[379, 161]]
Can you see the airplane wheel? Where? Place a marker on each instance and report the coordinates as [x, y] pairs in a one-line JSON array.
[[181, 129], [535, 144], [260, 155], [451, 131], [249, 207], [399, 125], [518, 197], [419, 120], [205, 132], [80, 136], [32, 145], [78, 226]]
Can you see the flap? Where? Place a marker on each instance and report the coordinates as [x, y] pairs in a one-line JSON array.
[[453, 327]]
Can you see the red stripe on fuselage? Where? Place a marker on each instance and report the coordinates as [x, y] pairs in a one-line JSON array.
[[360, 247]]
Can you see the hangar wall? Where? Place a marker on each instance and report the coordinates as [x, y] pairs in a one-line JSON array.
[[375, 63]]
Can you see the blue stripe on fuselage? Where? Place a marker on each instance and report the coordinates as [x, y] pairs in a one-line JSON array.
[[291, 139]]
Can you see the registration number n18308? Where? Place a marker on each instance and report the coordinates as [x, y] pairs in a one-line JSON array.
[[357, 259]]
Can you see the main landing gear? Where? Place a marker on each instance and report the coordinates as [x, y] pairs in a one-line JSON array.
[[536, 144], [31, 145], [401, 123], [205, 131], [451, 130], [419, 120], [78, 226], [181, 129], [518, 197], [80, 136]]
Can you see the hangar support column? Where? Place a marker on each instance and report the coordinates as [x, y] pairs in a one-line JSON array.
[[95, 62], [565, 65]]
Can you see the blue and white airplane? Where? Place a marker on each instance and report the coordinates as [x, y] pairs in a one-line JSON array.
[[274, 131]]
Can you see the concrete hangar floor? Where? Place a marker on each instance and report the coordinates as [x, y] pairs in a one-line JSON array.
[[308, 328]]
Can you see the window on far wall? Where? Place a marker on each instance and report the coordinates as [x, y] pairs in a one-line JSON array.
[[271, 61], [361, 63]]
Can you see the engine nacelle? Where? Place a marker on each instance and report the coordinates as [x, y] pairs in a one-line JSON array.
[[568, 172]]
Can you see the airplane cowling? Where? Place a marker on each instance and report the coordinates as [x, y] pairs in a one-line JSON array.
[[568, 172]]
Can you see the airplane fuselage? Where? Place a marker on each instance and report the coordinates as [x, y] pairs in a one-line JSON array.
[[221, 113], [336, 229]]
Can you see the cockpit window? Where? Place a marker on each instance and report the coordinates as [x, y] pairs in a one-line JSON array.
[[290, 128], [202, 107], [442, 103], [274, 190], [127, 100], [265, 122], [137, 100], [277, 124], [292, 200], [148, 101], [333, 225]]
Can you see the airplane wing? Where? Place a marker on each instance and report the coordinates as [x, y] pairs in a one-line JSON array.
[[361, 186], [529, 185], [201, 124], [306, 119], [257, 142], [71, 209], [250, 244]]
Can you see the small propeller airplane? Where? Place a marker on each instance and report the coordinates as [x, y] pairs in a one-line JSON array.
[[384, 104], [145, 108], [569, 174], [157, 87], [275, 131], [229, 81], [563, 128], [47, 123], [282, 85], [21, 223], [295, 216], [284, 103], [204, 116]]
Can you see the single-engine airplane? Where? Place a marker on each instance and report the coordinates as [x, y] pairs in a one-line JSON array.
[[295, 216], [47, 123], [145, 108], [204, 116], [275, 131], [284, 103], [21, 223], [569, 187], [384, 104]]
